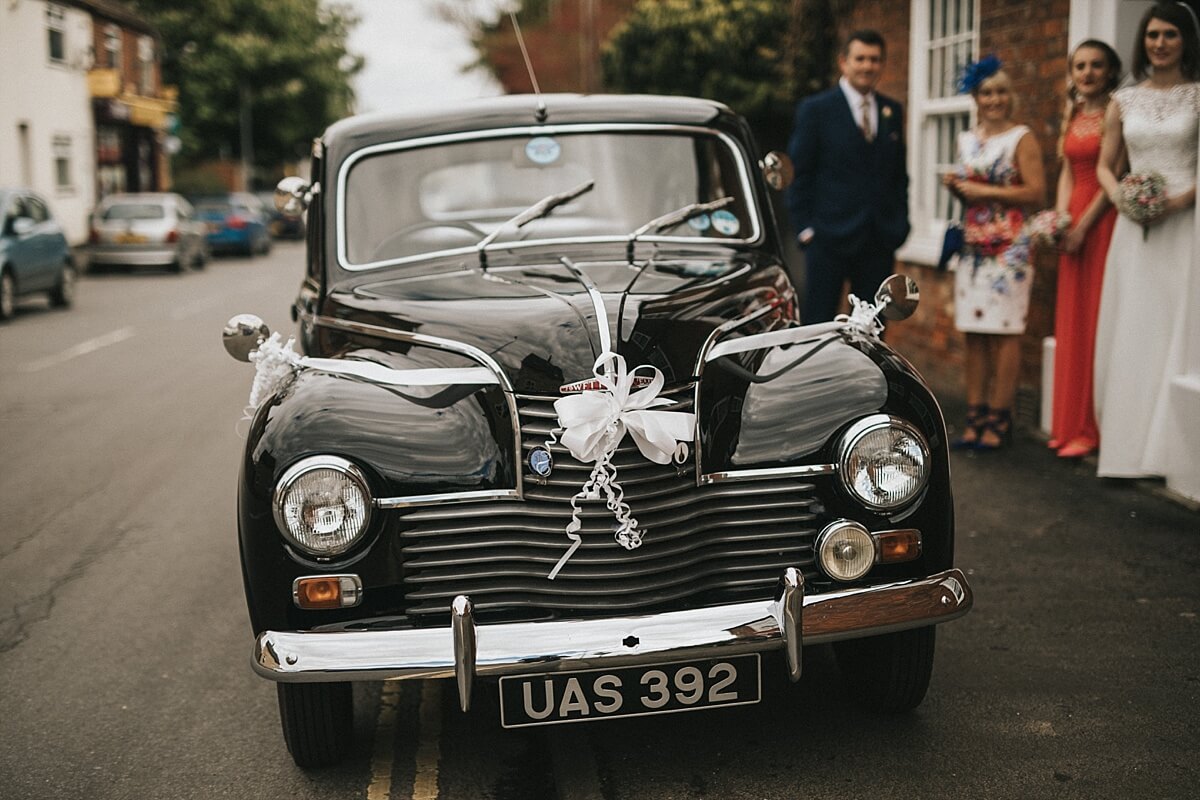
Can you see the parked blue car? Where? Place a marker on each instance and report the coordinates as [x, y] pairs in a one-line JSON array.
[[237, 223], [34, 255]]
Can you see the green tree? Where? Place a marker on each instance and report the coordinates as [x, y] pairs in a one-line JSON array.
[[282, 65], [734, 51]]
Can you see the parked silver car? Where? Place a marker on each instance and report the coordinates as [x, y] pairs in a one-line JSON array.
[[147, 229]]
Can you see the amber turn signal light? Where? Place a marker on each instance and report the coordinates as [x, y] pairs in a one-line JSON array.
[[315, 592], [897, 546]]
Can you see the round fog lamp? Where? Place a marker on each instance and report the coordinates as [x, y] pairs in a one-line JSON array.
[[845, 550]]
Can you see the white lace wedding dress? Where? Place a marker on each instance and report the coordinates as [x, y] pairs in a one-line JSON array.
[[1140, 334]]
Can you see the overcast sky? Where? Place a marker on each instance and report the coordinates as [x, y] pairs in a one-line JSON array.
[[413, 58]]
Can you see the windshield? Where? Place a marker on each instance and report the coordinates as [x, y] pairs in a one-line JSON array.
[[407, 203], [134, 211]]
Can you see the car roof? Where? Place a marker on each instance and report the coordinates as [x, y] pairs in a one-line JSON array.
[[508, 111]]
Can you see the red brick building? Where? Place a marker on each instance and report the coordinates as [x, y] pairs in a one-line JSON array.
[[928, 40]]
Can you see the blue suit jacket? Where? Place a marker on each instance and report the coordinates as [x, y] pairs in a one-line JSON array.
[[851, 192]]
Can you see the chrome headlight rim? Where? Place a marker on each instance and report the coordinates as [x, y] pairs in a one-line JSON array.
[[303, 467], [860, 430], [831, 530]]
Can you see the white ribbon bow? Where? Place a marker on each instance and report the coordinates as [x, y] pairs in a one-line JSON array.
[[595, 422]]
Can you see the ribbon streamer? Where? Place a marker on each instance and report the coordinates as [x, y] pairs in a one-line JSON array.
[[594, 423]]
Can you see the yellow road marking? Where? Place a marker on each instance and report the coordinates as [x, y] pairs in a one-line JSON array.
[[380, 787], [425, 781]]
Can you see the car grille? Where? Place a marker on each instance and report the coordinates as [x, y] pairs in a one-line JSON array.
[[701, 545]]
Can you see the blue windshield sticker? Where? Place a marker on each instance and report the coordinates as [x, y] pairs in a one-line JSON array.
[[543, 150], [701, 222], [725, 222]]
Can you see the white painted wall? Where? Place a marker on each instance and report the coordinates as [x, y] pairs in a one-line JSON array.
[[52, 101]]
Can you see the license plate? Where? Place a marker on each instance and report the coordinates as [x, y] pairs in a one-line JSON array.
[[553, 697], [130, 238]]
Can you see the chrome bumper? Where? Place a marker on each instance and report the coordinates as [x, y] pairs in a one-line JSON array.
[[463, 650]]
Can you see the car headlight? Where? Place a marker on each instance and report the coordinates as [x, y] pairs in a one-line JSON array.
[[322, 505], [883, 462]]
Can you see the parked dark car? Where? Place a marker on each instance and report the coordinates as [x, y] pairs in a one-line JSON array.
[[237, 223], [34, 255], [441, 485], [279, 224], [147, 229]]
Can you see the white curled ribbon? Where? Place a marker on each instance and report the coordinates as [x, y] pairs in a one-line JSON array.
[[863, 316], [595, 422]]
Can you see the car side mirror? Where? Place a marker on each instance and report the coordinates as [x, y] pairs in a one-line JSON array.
[[778, 170], [243, 334], [899, 296], [22, 225], [292, 196]]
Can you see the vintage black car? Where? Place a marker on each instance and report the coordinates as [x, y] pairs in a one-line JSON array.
[[556, 431]]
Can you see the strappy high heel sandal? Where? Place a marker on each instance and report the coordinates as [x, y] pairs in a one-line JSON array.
[[999, 424], [977, 417]]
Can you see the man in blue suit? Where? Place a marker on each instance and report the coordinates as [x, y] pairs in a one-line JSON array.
[[849, 202]]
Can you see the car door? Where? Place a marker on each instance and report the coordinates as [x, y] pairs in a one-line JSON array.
[[48, 245], [21, 231]]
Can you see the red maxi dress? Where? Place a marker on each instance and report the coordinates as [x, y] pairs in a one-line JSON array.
[[1080, 277]]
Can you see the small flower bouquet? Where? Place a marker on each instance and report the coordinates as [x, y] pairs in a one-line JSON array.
[[1047, 228], [1143, 198]]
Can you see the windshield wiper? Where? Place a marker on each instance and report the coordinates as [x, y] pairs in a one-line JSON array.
[[671, 219], [536, 211]]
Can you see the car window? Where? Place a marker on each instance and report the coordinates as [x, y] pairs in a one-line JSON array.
[[37, 209], [213, 207], [412, 201], [121, 211]]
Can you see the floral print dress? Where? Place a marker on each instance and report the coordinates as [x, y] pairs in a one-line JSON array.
[[993, 273]]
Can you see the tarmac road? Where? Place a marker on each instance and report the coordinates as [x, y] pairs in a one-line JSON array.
[[124, 644]]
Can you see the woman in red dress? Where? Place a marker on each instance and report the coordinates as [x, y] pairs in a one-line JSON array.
[[1095, 71]]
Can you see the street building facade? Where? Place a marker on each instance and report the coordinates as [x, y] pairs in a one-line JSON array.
[[84, 112]]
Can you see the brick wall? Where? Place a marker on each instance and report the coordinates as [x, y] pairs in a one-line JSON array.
[[1031, 40]]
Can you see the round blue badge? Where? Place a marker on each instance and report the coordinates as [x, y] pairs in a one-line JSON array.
[[543, 150], [700, 223], [540, 461], [725, 222]]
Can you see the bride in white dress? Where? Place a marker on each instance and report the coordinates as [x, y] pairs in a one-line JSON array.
[[1140, 334]]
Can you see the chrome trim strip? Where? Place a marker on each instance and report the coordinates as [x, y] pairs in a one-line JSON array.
[[541, 130], [462, 348], [597, 303], [409, 501], [565, 645], [734, 475]]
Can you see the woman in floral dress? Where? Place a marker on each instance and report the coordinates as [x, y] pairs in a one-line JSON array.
[[1095, 71], [1000, 175]]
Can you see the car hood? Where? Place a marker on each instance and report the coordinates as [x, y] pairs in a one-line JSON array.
[[541, 322]]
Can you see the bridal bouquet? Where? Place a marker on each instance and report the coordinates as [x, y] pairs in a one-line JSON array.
[[1047, 228], [1143, 198]]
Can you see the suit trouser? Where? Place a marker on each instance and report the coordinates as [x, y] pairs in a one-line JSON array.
[[828, 266]]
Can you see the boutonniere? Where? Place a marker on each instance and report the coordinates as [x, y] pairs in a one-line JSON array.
[[886, 111]]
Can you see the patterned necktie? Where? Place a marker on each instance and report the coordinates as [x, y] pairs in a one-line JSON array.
[[866, 120]]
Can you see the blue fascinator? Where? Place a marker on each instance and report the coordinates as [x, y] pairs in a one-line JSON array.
[[976, 72]]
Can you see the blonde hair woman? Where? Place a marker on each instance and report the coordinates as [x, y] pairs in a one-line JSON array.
[[999, 177]]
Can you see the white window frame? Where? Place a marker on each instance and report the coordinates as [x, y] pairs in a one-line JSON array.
[[145, 51], [925, 163], [56, 23], [113, 48], [64, 174]]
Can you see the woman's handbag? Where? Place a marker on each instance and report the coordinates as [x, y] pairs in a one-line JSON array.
[[952, 243]]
